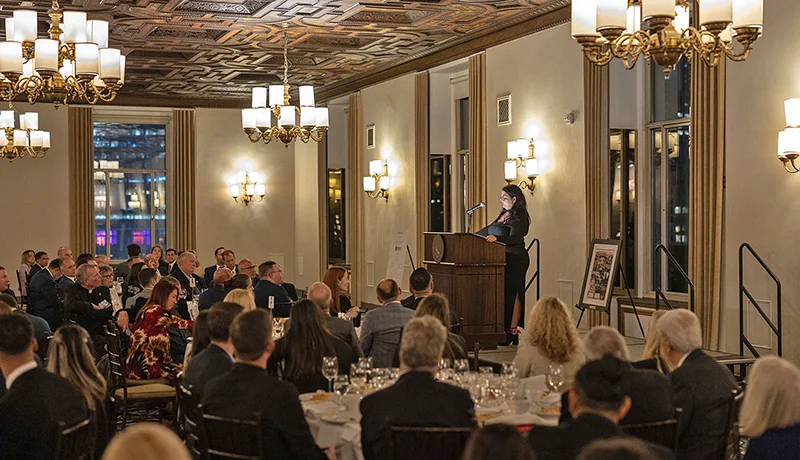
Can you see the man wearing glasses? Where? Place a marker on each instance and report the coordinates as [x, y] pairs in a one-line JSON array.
[[246, 267]]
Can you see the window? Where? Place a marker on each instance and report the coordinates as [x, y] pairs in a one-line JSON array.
[[622, 199], [337, 254], [130, 184]]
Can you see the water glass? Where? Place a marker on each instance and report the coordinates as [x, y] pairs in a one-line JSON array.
[[330, 368], [486, 370], [509, 371], [555, 378], [461, 366], [340, 385], [358, 377]]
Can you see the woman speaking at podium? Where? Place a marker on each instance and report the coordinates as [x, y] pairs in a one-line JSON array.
[[510, 228]]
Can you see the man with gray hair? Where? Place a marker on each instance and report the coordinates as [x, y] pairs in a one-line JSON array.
[[701, 387], [320, 294], [417, 398], [89, 304]]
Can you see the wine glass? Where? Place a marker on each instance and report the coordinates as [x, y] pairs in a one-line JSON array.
[[358, 377], [330, 368], [461, 366], [509, 371], [555, 378], [340, 384]]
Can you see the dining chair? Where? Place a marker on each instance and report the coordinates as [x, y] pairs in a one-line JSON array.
[[76, 442], [430, 443], [188, 418], [664, 432], [231, 438]]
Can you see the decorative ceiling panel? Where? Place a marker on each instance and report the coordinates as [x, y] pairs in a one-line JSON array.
[[218, 50]]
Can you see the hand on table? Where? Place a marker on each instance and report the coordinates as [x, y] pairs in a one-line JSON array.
[[491, 239], [352, 313]]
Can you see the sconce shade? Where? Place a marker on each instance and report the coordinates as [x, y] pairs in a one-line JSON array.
[[235, 191], [792, 108], [384, 183], [261, 190], [532, 167], [510, 170], [789, 142], [369, 184], [375, 167], [512, 150], [242, 176]]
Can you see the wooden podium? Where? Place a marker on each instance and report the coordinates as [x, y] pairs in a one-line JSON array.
[[470, 272]]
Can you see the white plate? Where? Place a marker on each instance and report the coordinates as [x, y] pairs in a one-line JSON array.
[[488, 410], [337, 419]]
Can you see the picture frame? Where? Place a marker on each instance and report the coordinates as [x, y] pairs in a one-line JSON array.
[[602, 268], [371, 136]]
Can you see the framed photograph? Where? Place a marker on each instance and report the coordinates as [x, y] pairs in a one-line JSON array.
[[601, 271], [371, 136]]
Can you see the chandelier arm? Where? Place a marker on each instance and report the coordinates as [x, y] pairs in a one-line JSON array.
[[597, 56], [737, 57]]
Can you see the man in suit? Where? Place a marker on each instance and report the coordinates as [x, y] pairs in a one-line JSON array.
[[229, 261], [247, 267], [89, 304], [36, 401], [270, 286], [5, 283], [700, 386], [42, 261], [43, 298], [208, 275], [421, 285], [650, 391], [417, 398], [217, 292], [41, 330], [68, 269], [217, 358], [320, 294], [597, 403], [172, 257], [248, 390], [191, 284], [380, 329], [123, 270], [64, 252]]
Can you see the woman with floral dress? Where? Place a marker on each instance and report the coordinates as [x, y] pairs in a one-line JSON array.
[[149, 355]]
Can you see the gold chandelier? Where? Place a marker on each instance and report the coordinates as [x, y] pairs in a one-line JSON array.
[[608, 29], [257, 120], [73, 64], [25, 140]]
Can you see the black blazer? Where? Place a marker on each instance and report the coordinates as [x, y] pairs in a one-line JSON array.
[[267, 289], [279, 362], [702, 388], [291, 291], [163, 267], [415, 400], [651, 364], [78, 306], [210, 297], [511, 233], [208, 275], [209, 363], [63, 283], [186, 291], [247, 390], [43, 298], [35, 268], [30, 413]]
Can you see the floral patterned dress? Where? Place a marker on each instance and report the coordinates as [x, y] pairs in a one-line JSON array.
[[149, 356]]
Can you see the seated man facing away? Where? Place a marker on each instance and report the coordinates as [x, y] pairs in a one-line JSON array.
[[597, 404], [417, 399], [217, 358], [380, 331], [217, 292], [247, 390], [320, 294], [36, 401], [700, 386], [41, 330]]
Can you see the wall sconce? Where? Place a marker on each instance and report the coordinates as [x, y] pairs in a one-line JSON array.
[[789, 139], [134, 203], [377, 183], [521, 155], [248, 189]]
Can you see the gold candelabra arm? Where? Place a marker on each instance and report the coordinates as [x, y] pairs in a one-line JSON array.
[[789, 163], [250, 134], [529, 184]]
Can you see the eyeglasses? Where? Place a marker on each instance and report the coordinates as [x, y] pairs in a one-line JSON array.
[[110, 275]]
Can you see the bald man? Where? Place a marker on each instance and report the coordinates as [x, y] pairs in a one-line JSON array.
[[320, 294], [217, 292], [380, 329]]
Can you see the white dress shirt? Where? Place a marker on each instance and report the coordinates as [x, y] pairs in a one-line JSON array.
[[19, 371]]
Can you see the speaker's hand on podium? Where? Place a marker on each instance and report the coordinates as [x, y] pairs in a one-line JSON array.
[[491, 239]]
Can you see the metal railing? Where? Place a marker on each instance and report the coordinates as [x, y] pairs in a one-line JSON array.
[[743, 291], [677, 265], [535, 276]]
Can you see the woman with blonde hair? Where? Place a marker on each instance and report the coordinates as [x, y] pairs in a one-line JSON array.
[[652, 357], [27, 261], [146, 441], [770, 412], [436, 305], [243, 297], [550, 338]]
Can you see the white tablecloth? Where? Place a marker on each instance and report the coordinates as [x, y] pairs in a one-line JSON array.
[[345, 436]]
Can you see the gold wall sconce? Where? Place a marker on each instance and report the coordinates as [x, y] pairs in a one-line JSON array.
[[789, 139], [249, 188], [521, 155], [376, 185]]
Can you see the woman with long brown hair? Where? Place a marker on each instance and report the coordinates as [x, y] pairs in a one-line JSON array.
[[338, 279], [151, 354], [298, 354]]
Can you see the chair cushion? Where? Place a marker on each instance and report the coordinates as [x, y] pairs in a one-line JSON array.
[[149, 391], [134, 383]]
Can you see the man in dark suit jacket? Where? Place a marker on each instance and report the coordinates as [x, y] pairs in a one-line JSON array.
[[36, 401], [248, 390], [41, 330], [417, 399], [217, 292], [68, 269], [217, 358], [320, 294], [42, 262], [597, 403], [271, 276], [208, 274], [89, 304], [700, 386], [43, 298], [123, 270], [191, 284]]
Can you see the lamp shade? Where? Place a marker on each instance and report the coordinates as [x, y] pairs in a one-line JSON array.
[[109, 63], [121, 69], [259, 97], [26, 26], [235, 191], [67, 69], [97, 32], [791, 141], [658, 8], [263, 117], [375, 167], [715, 11], [20, 138], [512, 150], [510, 170], [307, 117], [584, 17], [10, 29], [792, 109], [7, 119], [46, 139], [261, 190], [288, 116], [633, 18], [306, 96], [74, 27], [241, 176], [322, 116], [22, 124], [248, 118], [369, 184], [31, 120], [748, 13], [612, 13], [532, 167], [384, 183], [10, 57], [86, 58], [275, 95], [36, 138]]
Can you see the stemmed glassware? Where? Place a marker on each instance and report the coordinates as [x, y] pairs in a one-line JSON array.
[[461, 366], [555, 378], [358, 376], [330, 368]]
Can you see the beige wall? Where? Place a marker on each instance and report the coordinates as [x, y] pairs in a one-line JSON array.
[[307, 217]]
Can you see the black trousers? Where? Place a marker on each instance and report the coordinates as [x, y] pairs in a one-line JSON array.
[[516, 269]]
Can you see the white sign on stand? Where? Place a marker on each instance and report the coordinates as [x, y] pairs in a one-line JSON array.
[[395, 269]]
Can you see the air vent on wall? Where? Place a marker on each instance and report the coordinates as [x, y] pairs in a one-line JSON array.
[[504, 110]]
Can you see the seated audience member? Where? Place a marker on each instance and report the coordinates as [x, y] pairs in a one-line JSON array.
[[417, 399], [247, 390], [123, 269], [248, 268], [652, 357], [89, 304], [217, 292], [320, 294], [131, 287], [163, 265], [436, 305], [617, 449], [148, 278], [291, 291], [240, 281], [27, 261], [338, 280], [380, 333], [650, 392], [243, 297], [42, 261], [102, 259], [107, 280], [5, 283], [172, 258], [64, 253], [421, 285], [229, 261], [68, 269], [700, 386], [597, 404], [151, 261], [70, 356], [155, 333], [550, 338], [298, 355], [146, 441], [43, 298], [41, 330], [271, 276], [200, 338], [208, 273], [217, 358], [498, 441], [36, 401], [770, 413], [191, 284]]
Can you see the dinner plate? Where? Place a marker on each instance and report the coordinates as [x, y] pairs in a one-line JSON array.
[[338, 419]]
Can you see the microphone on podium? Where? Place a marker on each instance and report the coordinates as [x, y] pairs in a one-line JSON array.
[[476, 207]]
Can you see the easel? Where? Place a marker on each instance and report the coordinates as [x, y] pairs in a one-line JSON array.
[[608, 311]]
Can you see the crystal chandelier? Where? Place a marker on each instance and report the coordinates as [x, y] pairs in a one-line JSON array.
[[257, 120], [608, 29], [73, 64], [25, 140]]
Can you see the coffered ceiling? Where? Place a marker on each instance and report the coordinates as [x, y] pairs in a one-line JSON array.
[[217, 50]]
